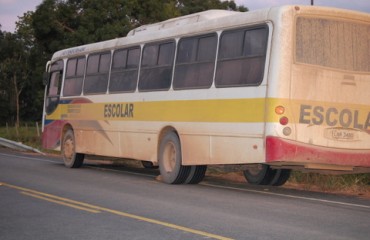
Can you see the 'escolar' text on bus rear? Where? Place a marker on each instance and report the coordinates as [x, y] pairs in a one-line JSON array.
[[346, 118]]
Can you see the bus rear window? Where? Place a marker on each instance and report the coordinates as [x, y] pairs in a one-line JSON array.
[[333, 43]]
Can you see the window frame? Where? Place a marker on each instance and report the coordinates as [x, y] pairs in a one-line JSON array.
[[170, 66], [75, 76], [195, 61], [242, 56], [55, 82], [98, 73], [125, 69]]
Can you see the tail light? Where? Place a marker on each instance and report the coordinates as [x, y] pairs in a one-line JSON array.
[[280, 110]]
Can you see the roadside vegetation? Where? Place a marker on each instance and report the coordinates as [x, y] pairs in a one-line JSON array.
[[353, 184], [357, 184], [27, 133]]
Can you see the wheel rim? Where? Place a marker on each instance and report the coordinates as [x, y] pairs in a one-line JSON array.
[[255, 171], [169, 157], [68, 149]]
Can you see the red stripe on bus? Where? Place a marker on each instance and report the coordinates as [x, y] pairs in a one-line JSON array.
[[278, 149]]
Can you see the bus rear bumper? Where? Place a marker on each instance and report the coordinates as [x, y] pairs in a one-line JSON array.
[[288, 151]]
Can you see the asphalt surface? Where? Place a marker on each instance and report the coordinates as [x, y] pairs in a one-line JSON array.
[[41, 199]]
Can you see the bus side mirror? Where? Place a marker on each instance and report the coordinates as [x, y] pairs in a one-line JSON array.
[[46, 78]]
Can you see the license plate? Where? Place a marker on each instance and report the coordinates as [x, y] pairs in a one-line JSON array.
[[341, 134]]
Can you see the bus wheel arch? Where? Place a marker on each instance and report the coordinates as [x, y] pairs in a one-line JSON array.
[[71, 158], [66, 127], [164, 131], [161, 135], [170, 158]]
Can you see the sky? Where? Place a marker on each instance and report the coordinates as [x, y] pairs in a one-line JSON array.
[[10, 10]]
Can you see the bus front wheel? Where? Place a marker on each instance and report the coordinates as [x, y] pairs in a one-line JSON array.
[[170, 162], [70, 157]]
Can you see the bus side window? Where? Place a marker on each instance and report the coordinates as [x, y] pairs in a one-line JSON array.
[[241, 57], [156, 66], [195, 62], [124, 70], [74, 77], [97, 71]]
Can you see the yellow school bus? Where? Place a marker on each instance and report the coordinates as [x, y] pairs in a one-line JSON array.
[[269, 90]]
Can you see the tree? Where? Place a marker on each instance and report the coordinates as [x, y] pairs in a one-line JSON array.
[[59, 24], [62, 24], [151, 11], [20, 76], [14, 70], [4, 86], [193, 6]]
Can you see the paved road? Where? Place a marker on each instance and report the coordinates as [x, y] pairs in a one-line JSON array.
[[41, 199]]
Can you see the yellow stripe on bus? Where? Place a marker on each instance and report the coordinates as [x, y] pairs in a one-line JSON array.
[[234, 110], [221, 110]]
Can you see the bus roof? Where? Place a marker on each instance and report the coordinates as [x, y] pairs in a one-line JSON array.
[[183, 21], [197, 23]]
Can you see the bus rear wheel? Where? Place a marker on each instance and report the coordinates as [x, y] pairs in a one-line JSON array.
[[70, 157], [281, 176], [262, 174], [197, 174], [170, 162]]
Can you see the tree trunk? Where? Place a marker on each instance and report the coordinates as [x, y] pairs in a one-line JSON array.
[[17, 93]]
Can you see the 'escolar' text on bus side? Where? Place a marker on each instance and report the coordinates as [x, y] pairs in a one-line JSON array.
[[119, 110]]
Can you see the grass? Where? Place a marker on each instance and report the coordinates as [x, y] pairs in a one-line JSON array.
[[350, 183], [26, 134]]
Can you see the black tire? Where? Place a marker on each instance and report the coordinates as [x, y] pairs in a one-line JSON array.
[[148, 165], [196, 174], [262, 175], [70, 157], [281, 176], [170, 161]]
